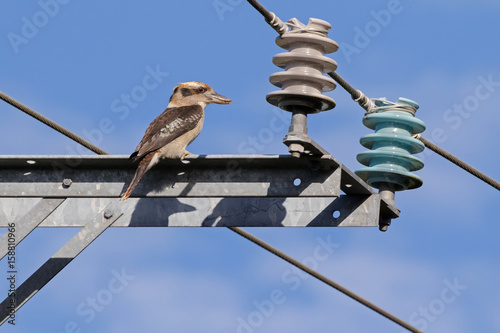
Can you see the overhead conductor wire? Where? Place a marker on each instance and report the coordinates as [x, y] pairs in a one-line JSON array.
[[52, 124], [453, 159], [324, 279]]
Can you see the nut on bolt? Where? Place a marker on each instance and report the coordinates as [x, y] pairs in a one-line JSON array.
[[108, 213], [296, 149], [67, 182]]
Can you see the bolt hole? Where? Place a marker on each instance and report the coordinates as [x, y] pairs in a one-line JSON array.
[[297, 181], [336, 214], [348, 185]]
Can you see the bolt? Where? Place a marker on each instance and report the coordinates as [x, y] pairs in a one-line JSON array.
[[296, 149], [384, 223], [67, 182], [108, 213]]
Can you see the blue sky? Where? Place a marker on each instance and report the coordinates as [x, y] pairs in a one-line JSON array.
[[437, 266]]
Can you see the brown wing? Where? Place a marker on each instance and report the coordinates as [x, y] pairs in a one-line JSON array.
[[168, 126]]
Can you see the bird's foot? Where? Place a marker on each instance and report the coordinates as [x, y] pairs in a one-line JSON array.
[[186, 153]]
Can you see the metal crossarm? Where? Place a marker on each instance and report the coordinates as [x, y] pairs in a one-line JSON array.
[[213, 190]]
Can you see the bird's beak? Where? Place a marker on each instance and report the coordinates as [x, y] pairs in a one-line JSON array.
[[216, 98]]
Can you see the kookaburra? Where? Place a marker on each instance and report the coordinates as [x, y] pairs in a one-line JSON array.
[[172, 131]]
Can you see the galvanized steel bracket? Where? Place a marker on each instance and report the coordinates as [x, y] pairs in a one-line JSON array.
[[212, 190]]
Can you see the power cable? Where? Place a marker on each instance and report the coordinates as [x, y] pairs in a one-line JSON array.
[[268, 16], [455, 160], [274, 21], [323, 278], [52, 124]]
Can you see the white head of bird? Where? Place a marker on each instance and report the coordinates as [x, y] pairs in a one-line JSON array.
[[194, 92]]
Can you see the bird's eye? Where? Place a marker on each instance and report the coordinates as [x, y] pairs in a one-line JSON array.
[[201, 89]]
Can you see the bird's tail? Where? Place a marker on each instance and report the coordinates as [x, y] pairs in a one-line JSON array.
[[145, 164]]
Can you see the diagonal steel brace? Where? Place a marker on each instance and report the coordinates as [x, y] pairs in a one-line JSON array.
[[32, 219], [60, 259]]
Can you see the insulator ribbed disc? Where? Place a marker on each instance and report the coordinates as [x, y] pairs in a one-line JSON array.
[[390, 159], [286, 100], [303, 80]]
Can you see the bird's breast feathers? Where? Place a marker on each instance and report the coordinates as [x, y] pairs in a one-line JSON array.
[[180, 124], [176, 147]]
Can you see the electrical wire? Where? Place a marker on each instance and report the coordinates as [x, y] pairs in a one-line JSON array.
[[274, 21], [344, 84], [455, 160], [268, 16], [323, 278], [356, 95], [52, 124]]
